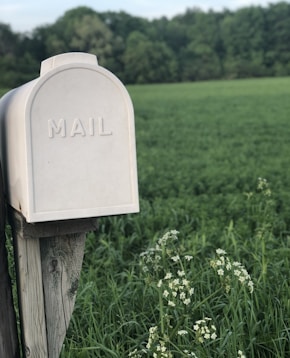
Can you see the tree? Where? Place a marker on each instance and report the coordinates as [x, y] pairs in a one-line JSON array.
[[201, 55], [195, 45], [122, 24], [277, 47], [8, 40], [199, 62], [80, 29], [148, 62], [16, 66], [243, 37]]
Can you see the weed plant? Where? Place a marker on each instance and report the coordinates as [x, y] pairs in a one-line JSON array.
[[200, 148], [183, 298]]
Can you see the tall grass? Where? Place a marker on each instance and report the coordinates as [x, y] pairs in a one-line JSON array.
[[201, 149], [187, 297], [219, 287]]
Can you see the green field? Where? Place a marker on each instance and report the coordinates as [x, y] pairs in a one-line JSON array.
[[201, 148]]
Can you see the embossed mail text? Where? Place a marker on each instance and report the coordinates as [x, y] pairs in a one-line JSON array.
[[77, 127]]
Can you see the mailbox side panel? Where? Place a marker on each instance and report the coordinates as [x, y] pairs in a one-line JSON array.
[[14, 146]]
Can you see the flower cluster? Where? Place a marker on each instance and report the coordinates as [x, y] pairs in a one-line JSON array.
[[156, 345], [204, 330], [151, 259], [241, 354], [135, 354], [176, 288], [169, 235], [168, 267], [229, 270], [263, 187], [153, 336]]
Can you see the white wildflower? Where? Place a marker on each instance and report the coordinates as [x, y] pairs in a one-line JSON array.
[[182, 332], [180, 273], [236, 263], [134, 354], [241, 354], [168, 276], [185, 282], [159, 284], [237, 272], [188, 257], [251, 286], [242, 279], [182, 296], [176, 282], [175, 258], [165, 293], [228, 266], [213, 336], [220, 252]]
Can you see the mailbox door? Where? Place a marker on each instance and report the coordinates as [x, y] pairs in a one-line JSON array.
[[81, 140]]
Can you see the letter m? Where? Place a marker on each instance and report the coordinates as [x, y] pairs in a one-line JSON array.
[[58, 128]]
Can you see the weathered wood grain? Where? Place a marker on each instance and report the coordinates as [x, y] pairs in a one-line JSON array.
[[61, 259], [9, 347], [49, 257], [31, 299]]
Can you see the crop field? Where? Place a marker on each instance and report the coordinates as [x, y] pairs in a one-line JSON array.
[[204, 269]]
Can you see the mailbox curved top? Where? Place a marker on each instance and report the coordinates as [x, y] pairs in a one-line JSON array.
[[68, 142]]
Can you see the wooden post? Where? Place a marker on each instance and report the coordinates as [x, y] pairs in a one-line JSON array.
[[30, 292], [62, 258], [9, 347], [49, 257], [46, 179]]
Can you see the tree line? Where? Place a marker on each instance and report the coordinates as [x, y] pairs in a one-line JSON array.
[[195, 45]]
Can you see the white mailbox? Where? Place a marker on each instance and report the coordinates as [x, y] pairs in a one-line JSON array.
[[68, 143]]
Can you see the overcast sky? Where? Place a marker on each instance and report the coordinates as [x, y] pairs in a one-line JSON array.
[[25, 15]]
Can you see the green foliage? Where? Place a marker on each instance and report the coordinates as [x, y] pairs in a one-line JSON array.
[[82, 30], [195, 45], [201, 148], [196, 135], [148, 61]]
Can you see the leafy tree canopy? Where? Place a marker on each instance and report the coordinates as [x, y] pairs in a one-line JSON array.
[[196, 45]]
